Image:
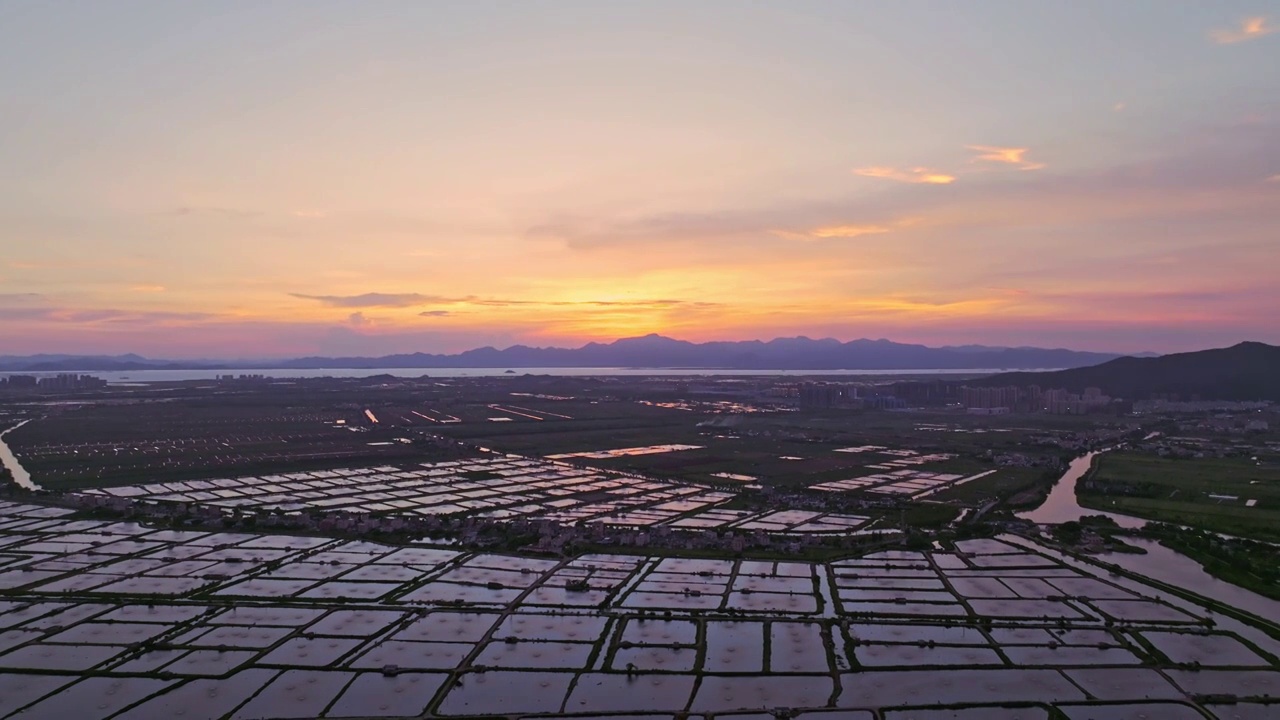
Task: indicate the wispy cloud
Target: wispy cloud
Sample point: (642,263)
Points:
(659,304)
(133,316)
(834,231)
(1274,178)
(374,300)
(848,231)
(838,231)
(435,313)
(406,300)
(148,288)
(192,210)
(1014,156)
(95,316)
(677,228)
(1249,29)
(1004,155)
(26,313)
(24,306)
(921,175)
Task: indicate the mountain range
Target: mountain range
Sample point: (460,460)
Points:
(651,351)
(1247,371)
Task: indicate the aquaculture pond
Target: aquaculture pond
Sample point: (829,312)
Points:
(104,619)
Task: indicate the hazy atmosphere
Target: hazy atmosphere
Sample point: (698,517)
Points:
(243,179)
(640,360)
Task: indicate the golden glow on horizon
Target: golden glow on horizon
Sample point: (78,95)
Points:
(571,322)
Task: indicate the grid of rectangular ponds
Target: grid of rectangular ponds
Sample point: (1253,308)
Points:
(115,620)
(900,475)
(496,486)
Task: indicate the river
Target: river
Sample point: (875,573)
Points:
(1180,571)
(1061,505)
(1160,563)
(1176,570)
(9,460)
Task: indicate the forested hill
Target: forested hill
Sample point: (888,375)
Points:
(1248,371)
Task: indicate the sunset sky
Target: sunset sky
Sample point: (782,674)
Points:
(258,179)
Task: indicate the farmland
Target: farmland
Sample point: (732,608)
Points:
(347,548)
(1236,496)
(195,431)
(106,619)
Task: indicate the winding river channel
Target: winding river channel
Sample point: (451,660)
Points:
(9,460)
(1061,505)
(1176,569)
(1160,563)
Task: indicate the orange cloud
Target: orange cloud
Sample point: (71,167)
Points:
(827,232)
(1004,155)
(911,175)
(148,288)
(1250,29)
(833,231)
(921,309)
(848,231)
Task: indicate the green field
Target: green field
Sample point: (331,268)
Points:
(1182,491)
(782,450)
(1005,482)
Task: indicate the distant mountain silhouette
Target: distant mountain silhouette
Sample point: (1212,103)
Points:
(650,351)
(1248,371)
(95,363)
(798,353)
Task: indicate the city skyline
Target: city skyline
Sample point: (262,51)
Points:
(330,178)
